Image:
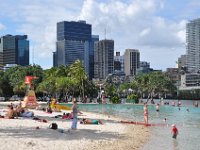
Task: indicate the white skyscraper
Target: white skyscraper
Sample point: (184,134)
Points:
(131,62)
(193,45)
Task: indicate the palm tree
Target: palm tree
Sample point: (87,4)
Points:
(64,85)
(152,83)
(77,72)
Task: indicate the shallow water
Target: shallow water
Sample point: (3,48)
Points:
(188,123)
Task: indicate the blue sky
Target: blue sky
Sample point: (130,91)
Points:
(155,27)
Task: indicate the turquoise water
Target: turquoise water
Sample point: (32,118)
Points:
(188,123)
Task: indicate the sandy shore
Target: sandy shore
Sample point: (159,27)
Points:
(21,134)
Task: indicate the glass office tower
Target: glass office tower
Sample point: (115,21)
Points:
(23,51)
(14,50)
(74,41)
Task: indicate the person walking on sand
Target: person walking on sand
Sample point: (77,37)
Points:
(145,113)
(174,131)
(75,112)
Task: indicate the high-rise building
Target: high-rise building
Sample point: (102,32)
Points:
(182,61)
(54,59)
(95,38)
(193,45)
(1,55)
(103,58)
(118,62)
(14,50)
(131,62)
(144,68)
(74,42)
(174,75)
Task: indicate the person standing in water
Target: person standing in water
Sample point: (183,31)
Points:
(145,113)
(75,112)
(174,131)
(157,107)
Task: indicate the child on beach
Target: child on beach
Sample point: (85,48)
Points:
(174,131)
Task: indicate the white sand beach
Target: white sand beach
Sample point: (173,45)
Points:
(21,134)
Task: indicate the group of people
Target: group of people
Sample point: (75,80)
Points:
(15,111)
(75,112)
(174,129)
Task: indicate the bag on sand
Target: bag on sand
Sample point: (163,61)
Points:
(53,126)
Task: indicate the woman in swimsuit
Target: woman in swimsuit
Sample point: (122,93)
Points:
(91,121)
(145,113)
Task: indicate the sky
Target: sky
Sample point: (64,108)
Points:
(155,27)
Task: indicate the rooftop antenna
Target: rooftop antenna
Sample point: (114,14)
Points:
(33,55)
(105,33)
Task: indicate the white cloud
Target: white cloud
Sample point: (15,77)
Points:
(38,20)
(145,32)
(132,24)
(2,27)
(136,25)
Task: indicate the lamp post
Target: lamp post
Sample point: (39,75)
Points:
(197,84)
(177,90)
(100,93)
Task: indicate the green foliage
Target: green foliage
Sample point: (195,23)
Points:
(115,99)
(65,81)
(189,94)
(78,74)
(15,77)
(133,98)
(153,83)
(62,80)
(110,90)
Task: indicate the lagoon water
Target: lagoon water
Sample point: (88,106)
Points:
(187,122)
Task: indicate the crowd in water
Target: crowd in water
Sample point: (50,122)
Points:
(174,129)
(172,103)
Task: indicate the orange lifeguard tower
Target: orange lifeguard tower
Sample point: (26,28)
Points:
(30,100)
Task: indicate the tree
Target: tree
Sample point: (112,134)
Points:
(65,85)
(48,84)
(115,99)
(77,72)
(154,83)
(110,90)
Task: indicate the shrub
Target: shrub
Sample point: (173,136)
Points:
(115,100)
(133,98)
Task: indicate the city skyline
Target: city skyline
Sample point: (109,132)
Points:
(155,27)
